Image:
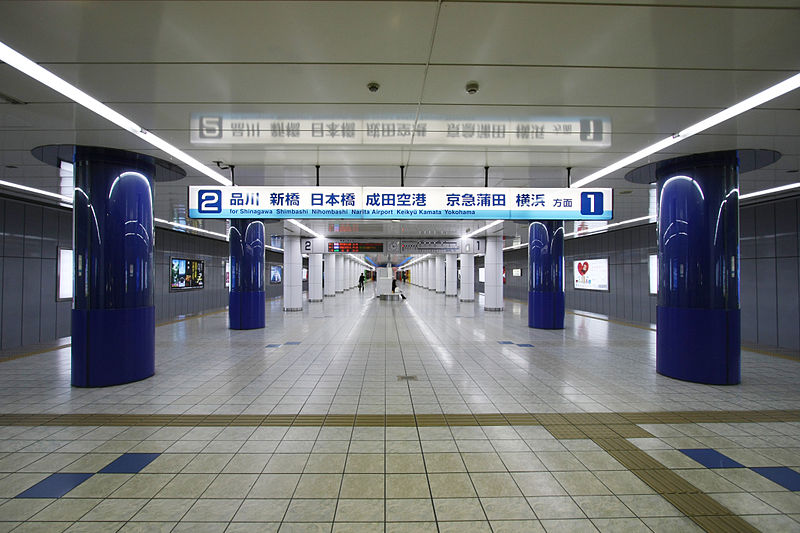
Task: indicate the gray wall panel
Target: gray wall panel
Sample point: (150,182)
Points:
(786,229)
(765,230)
(31,300)
(33,231)
(13,244)
(49,236)
(12,302)
(788,311)
(47,297)
(748,300)
(747,233)
(767,302)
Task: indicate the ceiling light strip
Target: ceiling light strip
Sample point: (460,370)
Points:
(14,59)
(769,191)
(609,226)
(361,261)
(48,194)
(747,104)
(305,228)
(487,226)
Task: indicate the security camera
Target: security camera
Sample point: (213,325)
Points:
(472,87)
(373,86)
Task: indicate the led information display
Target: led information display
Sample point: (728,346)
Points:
(410,203)
(355,247)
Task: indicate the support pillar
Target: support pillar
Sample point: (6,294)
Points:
(546,274)
(493,262)
(467,293)
(451,275)
(113,315)
(314,277)
(339,272)
(440,274)
(698,314)
(246,301)
(330,275)
(292,273)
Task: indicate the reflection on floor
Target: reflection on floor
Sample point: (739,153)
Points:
(421,415)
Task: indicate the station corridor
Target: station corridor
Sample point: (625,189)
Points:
(422,415)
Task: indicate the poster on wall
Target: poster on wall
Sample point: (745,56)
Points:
(591,274)
(305,274)
(275,274)
(186,274)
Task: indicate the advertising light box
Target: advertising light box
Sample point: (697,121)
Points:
(186,274)
(653,268)
(591,274)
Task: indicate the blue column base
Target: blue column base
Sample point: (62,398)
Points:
(546,310)
(113,346)
(247,310)
(699,345)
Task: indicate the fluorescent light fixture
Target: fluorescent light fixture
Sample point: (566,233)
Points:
(273,248)
(59,197)
(487,226)
(769,191)
(305,228)
(191,228)
(607,227)
(418,259)
(358,259)
(747,104)
(14,59)
(516,246)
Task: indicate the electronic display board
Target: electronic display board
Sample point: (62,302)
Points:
(355,247)
(185,274)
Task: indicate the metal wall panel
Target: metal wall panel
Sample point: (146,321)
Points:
(767,301)
(765,231)
(12,302)
(13,244)
(33,231)
(788,311)
(748,301)
(47,300)
(747,233)
(31,300)
(786,228)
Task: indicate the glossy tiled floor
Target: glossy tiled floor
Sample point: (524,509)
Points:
(384,459)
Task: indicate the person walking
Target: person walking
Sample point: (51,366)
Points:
(361,282)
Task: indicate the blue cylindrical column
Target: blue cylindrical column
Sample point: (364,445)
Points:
(113,315)
(698,256)
(546,274)
(246,304)
(698,317)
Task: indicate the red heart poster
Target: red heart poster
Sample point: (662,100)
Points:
(583,268)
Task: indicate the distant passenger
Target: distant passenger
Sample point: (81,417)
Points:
(394,284)
(361,282)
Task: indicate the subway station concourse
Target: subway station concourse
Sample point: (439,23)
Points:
(400,266)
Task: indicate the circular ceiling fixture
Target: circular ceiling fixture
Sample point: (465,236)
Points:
(472,87)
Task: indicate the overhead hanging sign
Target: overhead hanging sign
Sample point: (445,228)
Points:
(409,203)
(253,128)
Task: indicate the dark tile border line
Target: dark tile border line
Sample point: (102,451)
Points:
(561,425)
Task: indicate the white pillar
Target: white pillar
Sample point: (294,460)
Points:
(292,274)
(339,273)
(467,278)
(440,274)
(330,275)
(493,286)
(314,277)
(451,275)
(426,274)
